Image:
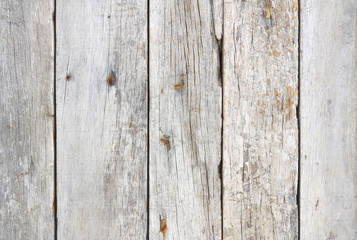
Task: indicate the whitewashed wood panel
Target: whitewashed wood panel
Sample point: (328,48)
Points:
(102,105)
(260,140)
(185,120)
(26,120)
(328,119)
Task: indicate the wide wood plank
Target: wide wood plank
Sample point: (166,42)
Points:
(260,140)
(185,120)
(102,105)
(328,119)
(26,120)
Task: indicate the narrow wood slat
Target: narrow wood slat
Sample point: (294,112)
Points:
(185,120)
(328,119)
(260,140)
(102,95)
(26,120)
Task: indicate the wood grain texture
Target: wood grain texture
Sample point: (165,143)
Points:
(26,120)
(260,140)
(102,105)
(185,121)
(328,119)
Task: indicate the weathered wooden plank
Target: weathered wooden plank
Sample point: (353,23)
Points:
(185,106)
(26,120)
(260,140)
(328,119)
(102,106)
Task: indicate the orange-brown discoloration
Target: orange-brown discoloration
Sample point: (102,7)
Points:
(162,91)
(177,86)
(68,77)
(292,93)
(180,85)
(110,80)
(268,10)
(163,227)
(165,141)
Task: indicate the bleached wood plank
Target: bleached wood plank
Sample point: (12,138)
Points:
(26,120)
(102,119)
(328,119)
(260,140)
(184,166)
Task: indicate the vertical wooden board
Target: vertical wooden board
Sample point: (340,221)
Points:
(102,105)
(328,119)
(260,130)
(185,106)
(26,120)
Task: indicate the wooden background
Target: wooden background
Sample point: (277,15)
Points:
(178,119)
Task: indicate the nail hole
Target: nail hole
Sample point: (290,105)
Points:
(110,80)
(68,77)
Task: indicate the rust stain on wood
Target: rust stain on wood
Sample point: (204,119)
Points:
(163,227)
(110,80)
(181,84)
(165,141)
(178,86)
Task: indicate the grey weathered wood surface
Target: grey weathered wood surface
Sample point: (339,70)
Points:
(328,119)
(156,100)
(26,120)
(102,105)
(185,188)
(260,140)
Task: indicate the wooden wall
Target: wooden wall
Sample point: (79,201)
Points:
(169,119)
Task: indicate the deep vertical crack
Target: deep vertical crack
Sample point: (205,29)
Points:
(148,124)
(221,72)
(298,202)
(55,120)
